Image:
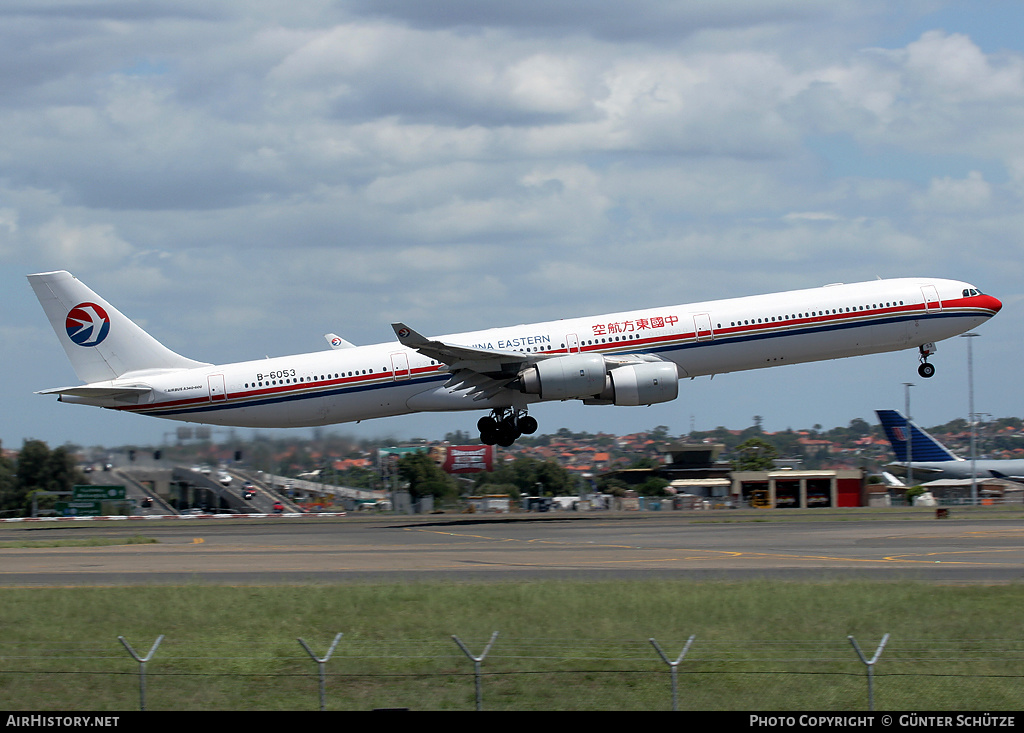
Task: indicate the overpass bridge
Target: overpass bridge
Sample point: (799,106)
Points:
(181,489)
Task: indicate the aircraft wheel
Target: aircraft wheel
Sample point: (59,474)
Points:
(528,425)
(488,437)
(487,424)
(926,370)
(507,434)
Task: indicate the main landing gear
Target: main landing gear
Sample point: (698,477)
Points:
(926,370)
(504,426)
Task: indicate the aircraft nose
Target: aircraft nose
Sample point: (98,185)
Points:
(990,304)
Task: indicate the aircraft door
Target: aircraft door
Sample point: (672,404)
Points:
(572,343)
(400,365)
(702,327)
(931,298)
(218,391)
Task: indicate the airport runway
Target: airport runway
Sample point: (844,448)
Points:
(578,547)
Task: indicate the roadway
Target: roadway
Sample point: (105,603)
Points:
(207,487)
(971,547)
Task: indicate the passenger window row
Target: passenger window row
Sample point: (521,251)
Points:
(322,378)
(592,342)
(813,314)
(297,380)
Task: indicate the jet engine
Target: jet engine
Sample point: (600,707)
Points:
(565,377)
(642,384)
(587,377)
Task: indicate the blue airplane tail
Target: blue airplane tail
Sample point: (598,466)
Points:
(924,446)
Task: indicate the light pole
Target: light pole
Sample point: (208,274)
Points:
(971,417)
(910,435)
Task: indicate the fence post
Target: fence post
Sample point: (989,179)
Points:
(870,664)
(142,666)
(320,664)
(476,664)
(674,667)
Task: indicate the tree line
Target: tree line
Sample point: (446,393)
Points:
(37,468)
(524,476)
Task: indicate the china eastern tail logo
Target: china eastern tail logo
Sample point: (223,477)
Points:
(87,324)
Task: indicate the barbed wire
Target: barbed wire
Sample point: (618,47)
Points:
(513,648)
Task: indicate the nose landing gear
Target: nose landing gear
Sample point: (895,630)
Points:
(926,370)
(504,426)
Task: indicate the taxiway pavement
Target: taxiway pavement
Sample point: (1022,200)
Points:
(974,549)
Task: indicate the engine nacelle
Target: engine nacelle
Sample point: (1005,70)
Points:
(642,384)
(565,377)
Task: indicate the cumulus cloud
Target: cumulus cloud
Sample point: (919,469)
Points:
(949,195)
(473,163)
(84,245)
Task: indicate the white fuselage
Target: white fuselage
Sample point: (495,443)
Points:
(1011,469)
(700,339)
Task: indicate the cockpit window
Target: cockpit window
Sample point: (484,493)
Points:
(968,292)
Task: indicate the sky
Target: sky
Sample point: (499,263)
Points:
(241,177)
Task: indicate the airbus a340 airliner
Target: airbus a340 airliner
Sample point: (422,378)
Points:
(631,358)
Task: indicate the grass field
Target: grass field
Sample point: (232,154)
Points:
(561,646)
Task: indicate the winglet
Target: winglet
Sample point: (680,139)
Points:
(409,337)
(337,342)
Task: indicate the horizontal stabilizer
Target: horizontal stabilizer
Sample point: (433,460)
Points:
(920,469)
(106,396)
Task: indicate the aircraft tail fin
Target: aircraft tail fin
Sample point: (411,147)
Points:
(924,446)
(891,480)
(337,342)
(100,341)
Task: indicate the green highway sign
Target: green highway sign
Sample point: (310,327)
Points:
(78,508)
(97,493)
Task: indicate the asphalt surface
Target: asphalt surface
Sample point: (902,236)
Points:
(974,548)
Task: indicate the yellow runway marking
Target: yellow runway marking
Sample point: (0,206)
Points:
(701,554)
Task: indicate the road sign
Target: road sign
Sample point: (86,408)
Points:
(78,508)
(97,493)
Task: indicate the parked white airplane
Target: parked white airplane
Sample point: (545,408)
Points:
(932,461)
(631,358)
